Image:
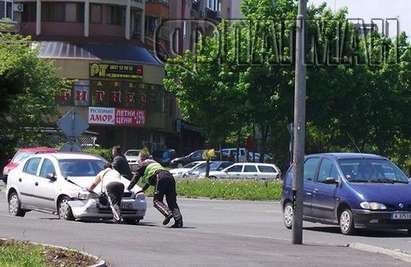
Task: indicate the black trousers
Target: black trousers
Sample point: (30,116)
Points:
(166,186)
(115,192)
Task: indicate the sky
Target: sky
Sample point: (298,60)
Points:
(368,9)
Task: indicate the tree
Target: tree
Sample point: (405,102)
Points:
(28,87)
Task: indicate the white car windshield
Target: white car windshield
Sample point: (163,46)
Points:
(80,167)
(20,156)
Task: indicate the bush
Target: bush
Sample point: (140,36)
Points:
(102,152)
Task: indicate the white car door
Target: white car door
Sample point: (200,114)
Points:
(27,183)
(267,172)
(234,172)
(46,185)
(250,172)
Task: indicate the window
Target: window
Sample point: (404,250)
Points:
(71,12)
(62,12)
(53,12)
(223,166)
(310,167)
(327,170)
(29,12)
(96,13)
(266,169)
(250,168)
(80,167)
(236,168)
(47,168)
(32,166)
(116,15)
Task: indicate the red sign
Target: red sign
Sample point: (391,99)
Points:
(130,117)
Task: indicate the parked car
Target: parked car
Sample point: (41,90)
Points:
(231,153)
(21,155)
(260,171)
(164,156)
(194,156)
(56,183)
(200,170)
(181,172)
(132,155)
(352,191)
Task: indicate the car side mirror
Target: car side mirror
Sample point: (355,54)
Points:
(330,180)
(51,176)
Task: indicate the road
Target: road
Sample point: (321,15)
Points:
(216,233)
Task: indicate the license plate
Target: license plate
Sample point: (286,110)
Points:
(401,216)
(126,205)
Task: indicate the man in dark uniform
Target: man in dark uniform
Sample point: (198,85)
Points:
(152,173)
(120,163)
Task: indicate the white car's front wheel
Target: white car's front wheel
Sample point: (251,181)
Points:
(288,215)
(15,205)
(64,209)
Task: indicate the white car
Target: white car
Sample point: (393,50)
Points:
(132,156)
(258,171)
(179,173)
(56,183)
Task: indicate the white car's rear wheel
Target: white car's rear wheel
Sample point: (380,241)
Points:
(288,215)
(64,209)
(15,205)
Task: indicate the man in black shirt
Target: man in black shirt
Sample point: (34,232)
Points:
(120,163)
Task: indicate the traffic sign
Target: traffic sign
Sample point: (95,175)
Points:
(72,124)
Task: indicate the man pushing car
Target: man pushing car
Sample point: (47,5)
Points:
(152,173)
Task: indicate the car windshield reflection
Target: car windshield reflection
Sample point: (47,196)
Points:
(371,171)
(80,167)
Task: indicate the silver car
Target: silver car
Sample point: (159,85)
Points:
(257,171)
(56,183)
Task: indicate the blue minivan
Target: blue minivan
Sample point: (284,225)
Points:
(353,191)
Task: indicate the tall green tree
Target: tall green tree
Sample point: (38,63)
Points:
(28,87)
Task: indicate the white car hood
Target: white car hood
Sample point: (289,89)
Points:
(87,181)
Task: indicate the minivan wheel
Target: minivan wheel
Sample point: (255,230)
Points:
(15,206)
(347,222)
(288,215)
(64,210)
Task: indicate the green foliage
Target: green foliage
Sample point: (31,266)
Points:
(241,190)
(357,100)
(21,256)
(102,152)
(28,87)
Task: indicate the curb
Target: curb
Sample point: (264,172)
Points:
(397,254)
(101,263)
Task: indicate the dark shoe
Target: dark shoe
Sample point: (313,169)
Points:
(178,218)
(167,219)
(178,224)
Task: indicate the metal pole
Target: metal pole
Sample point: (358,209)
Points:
(299,126)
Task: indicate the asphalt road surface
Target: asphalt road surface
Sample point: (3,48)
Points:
(216,233)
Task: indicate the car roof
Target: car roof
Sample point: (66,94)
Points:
(254,164)
(347,155)
(73,155)
(38,149)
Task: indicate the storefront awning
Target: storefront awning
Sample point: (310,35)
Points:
(104,52)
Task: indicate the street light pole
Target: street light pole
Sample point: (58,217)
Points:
(299,126)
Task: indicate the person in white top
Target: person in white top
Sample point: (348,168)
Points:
(112,187)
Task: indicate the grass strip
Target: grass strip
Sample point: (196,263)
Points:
(228,189)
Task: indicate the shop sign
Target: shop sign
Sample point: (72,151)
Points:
(130,117)
(81,90)
(115,71)
(101,116)
(117,117)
